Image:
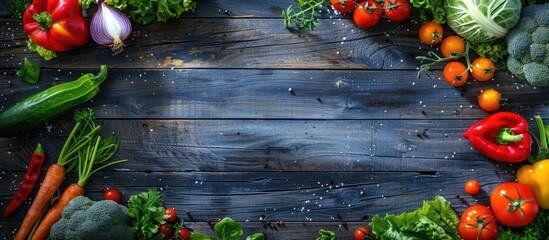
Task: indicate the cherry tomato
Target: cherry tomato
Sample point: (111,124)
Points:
(166,230)
(514,204)
(431,33)
(478,223)
(489,99)
(472,187)
(397,10)
(172,213)
(452,44)
(343,6)
(483,69)
(367,14)
(184,233)
(455,74)
(112,194)
(361,233)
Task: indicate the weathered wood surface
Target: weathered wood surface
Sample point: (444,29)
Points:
(263,94)
(202,109)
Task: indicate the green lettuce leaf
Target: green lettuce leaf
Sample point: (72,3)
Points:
(30,72)
(147,11)
(428,10)
(44,53)
(434,220)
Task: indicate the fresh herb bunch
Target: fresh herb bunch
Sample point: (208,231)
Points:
(495,51)
(306,15)
(146,211)
(148,11)
(18,7)
(428,10)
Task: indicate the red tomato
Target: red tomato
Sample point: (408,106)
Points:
(514,204)
(184,233)
(397,10)
(112,194)
(343,6)
(172,213)
(166,230)
(367,14)
(472,187)
(361,233)
(455,74)
(478,223)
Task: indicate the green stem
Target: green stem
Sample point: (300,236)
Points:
(43,19)
(306,10)
(542,134)
(506,136)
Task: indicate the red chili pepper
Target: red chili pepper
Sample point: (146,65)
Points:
(502,136)
(31,177)
(56,25)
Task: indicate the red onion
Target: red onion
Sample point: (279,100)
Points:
(110,27)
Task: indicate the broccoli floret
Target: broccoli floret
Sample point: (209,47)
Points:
(528,45)
(541,35)
(538,72)
(84,219)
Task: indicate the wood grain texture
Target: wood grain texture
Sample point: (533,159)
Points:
(274,145)
(288,196)
(263,94)
(236,43)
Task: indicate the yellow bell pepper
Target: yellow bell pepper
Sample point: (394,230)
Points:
(536,176)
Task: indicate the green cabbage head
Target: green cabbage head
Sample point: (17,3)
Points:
(482,20)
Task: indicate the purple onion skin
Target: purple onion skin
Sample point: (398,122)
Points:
(98,28)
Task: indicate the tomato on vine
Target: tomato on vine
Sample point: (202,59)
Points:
(478,223)
(343,6)
(361,233)
(455,74)
(112,194)
(367,14)
(472,187)
(431,33)
(483,69)
(171,213)
(184,233)
(489,100)
(166,231)
(514,204)
(397,10)
(452,45)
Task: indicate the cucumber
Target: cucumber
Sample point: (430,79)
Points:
(35,110)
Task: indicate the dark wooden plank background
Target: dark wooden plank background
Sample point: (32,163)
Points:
(203,111)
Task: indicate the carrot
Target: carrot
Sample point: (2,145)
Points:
(52,180)
(54,214)
(83,132)
(95,153)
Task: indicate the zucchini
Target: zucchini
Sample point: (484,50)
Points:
(35,110)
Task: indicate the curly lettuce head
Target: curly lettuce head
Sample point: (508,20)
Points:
(482,20)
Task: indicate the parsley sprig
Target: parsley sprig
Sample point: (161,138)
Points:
(306,15)
(146,211)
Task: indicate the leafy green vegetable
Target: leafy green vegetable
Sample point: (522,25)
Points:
(482,20)
(228,229)
(44,53)
(538,229)
(326,235)
(86,3)
(434,220)
(428,10)
(306,15)
(30,72)
(18,7)
(256,236)
(495,51)
(147,11)
(146,211)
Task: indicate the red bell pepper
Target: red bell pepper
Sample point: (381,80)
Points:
(502,137)
(56,25)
